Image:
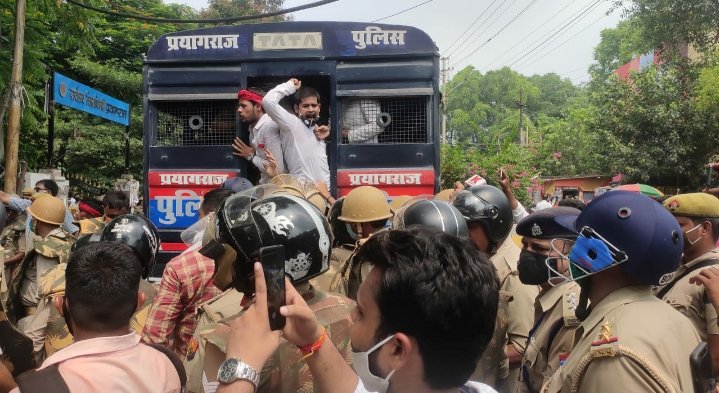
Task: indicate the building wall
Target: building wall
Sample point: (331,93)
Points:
(586,185)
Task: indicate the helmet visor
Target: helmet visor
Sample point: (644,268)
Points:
(474,208)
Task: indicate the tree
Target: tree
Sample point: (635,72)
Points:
(671,24)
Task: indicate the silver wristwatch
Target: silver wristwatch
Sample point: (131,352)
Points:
(233,369)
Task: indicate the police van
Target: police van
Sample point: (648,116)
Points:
(378,77)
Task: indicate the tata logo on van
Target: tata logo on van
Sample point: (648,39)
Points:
(283,41)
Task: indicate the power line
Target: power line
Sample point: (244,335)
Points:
(533,57)
(476,29)
(402,12)
(554,29)
(470,26)
(487,27)
(529,35)
(555,33)
(498,32)
(563,43)
(208,21)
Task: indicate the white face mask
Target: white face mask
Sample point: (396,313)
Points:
(360,362)
(691,243)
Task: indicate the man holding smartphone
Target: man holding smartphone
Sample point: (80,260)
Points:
(304,238)
(424,315)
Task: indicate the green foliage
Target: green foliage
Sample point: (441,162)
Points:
(460,162)
(102,51)
(670,24)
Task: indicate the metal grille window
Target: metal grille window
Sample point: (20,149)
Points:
(384,120)
(201,123)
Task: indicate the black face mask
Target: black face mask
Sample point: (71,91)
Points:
(532,268)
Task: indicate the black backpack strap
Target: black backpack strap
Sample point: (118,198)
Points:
(47,380)
(700,265)
(175,362)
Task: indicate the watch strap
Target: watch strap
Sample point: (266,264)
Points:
(242,371)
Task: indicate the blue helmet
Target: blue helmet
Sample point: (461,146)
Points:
(628,230)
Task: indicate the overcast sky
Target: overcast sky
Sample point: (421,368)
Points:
(527,44)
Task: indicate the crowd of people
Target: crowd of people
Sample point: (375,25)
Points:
(420,294)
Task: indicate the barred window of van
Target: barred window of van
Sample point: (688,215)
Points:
(384,120)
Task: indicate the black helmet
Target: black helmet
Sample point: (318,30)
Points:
(489,206)
(341,230)
(138,233)
(431,213)
(84,240)
(276,219)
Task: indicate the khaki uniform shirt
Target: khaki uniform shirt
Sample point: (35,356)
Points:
(91,226)
(631,342)
(349,275)
(520,311)
(45,254)
(12,238)
(222,306)
(689,299)
(330,281)
(552,336)
(285,371)
(493,366)
(49,328)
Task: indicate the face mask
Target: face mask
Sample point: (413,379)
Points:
(688,243)
(360,362)
(532,268)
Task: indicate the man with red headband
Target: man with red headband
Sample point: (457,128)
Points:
(264,136)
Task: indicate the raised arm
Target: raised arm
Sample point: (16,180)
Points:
(271,104)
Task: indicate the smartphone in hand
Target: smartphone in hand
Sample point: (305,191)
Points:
(273,264)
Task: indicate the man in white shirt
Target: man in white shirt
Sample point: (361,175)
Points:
(303,141)
(264,134)
(543,204)
(423,317)
(359,121)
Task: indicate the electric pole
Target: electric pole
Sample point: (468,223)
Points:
(523,137)
(15,110)
(443,75)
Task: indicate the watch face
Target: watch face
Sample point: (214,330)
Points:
(227,370)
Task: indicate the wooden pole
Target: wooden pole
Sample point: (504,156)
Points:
(15,110)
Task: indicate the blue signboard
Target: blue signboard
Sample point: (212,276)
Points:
(75,95)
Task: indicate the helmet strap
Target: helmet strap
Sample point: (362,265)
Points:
(583,309)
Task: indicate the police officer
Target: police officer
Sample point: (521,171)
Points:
(366,210)
(489,218)
(16,352)
(50,247)
(115,203)
(13,242)
(698,216)
(343,246)
(244,228)
(629,340)
(434,214)
(552,337)
(132,230)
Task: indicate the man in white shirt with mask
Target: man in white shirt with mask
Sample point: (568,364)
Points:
(424,316)
(303,141)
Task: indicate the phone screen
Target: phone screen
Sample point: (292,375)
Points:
(273,264)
